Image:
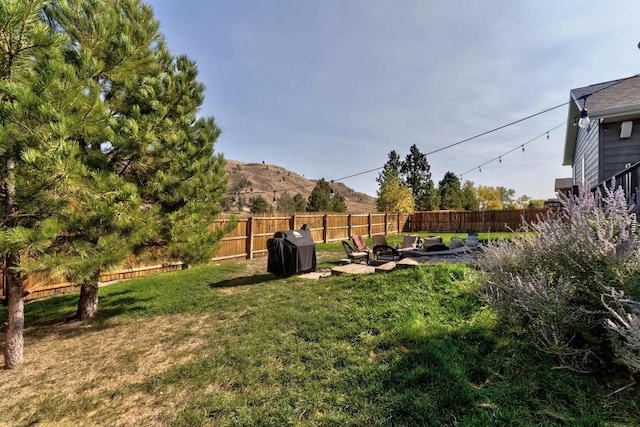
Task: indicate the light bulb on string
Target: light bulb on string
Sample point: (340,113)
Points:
(523,148)
(547,135)
(479,169)
(584,120)
(332,193)
(499,159)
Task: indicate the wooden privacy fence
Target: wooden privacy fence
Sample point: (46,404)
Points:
(248,239)
(472,221)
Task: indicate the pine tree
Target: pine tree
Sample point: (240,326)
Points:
(450,192)
(391,168)
(338,203)
(259,205)
(416,174)
(37,161)
(138,127)
(300,204)
(285,203)
(320,197)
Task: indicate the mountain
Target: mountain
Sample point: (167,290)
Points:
(249,180)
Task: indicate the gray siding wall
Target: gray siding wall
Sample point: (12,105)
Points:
(587,149)
(617,152)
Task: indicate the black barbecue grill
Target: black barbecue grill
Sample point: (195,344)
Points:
(291,252)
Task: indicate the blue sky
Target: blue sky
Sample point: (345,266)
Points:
(327,88)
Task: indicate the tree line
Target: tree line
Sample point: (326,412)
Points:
(102,153)
(406,186)
(323,198)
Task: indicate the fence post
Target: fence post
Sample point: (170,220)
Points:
(350,226)
(325,232)
(292,222)
(250,238)
(369,225)
(386,224)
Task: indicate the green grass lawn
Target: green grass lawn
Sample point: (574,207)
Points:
(410,347)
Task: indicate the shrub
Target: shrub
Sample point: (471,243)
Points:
(554,281)
(624,323)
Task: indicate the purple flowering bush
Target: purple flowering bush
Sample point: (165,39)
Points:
(571,281)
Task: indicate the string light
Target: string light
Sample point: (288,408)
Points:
(584,121)
(499,158)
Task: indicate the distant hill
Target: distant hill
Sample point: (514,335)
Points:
(252,179)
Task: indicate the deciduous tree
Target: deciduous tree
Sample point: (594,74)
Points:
(507,198)
(394,196)
(469,198)
(489,198)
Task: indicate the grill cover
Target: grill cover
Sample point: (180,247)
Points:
(291,252)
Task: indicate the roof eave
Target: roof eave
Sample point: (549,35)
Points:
(627,112)
(614,113)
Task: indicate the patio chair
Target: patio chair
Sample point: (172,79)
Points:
(410,242)
(360,245)
(354,255)
(380,240)
(382,250)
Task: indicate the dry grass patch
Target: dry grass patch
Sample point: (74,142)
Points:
(91,368)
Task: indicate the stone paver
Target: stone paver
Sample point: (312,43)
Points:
(388,266)
(353,269)
(315,275)
(407,263)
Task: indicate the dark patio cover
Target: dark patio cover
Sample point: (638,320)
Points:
(291,252)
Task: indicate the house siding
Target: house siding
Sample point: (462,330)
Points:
(617,152)
(587,148)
